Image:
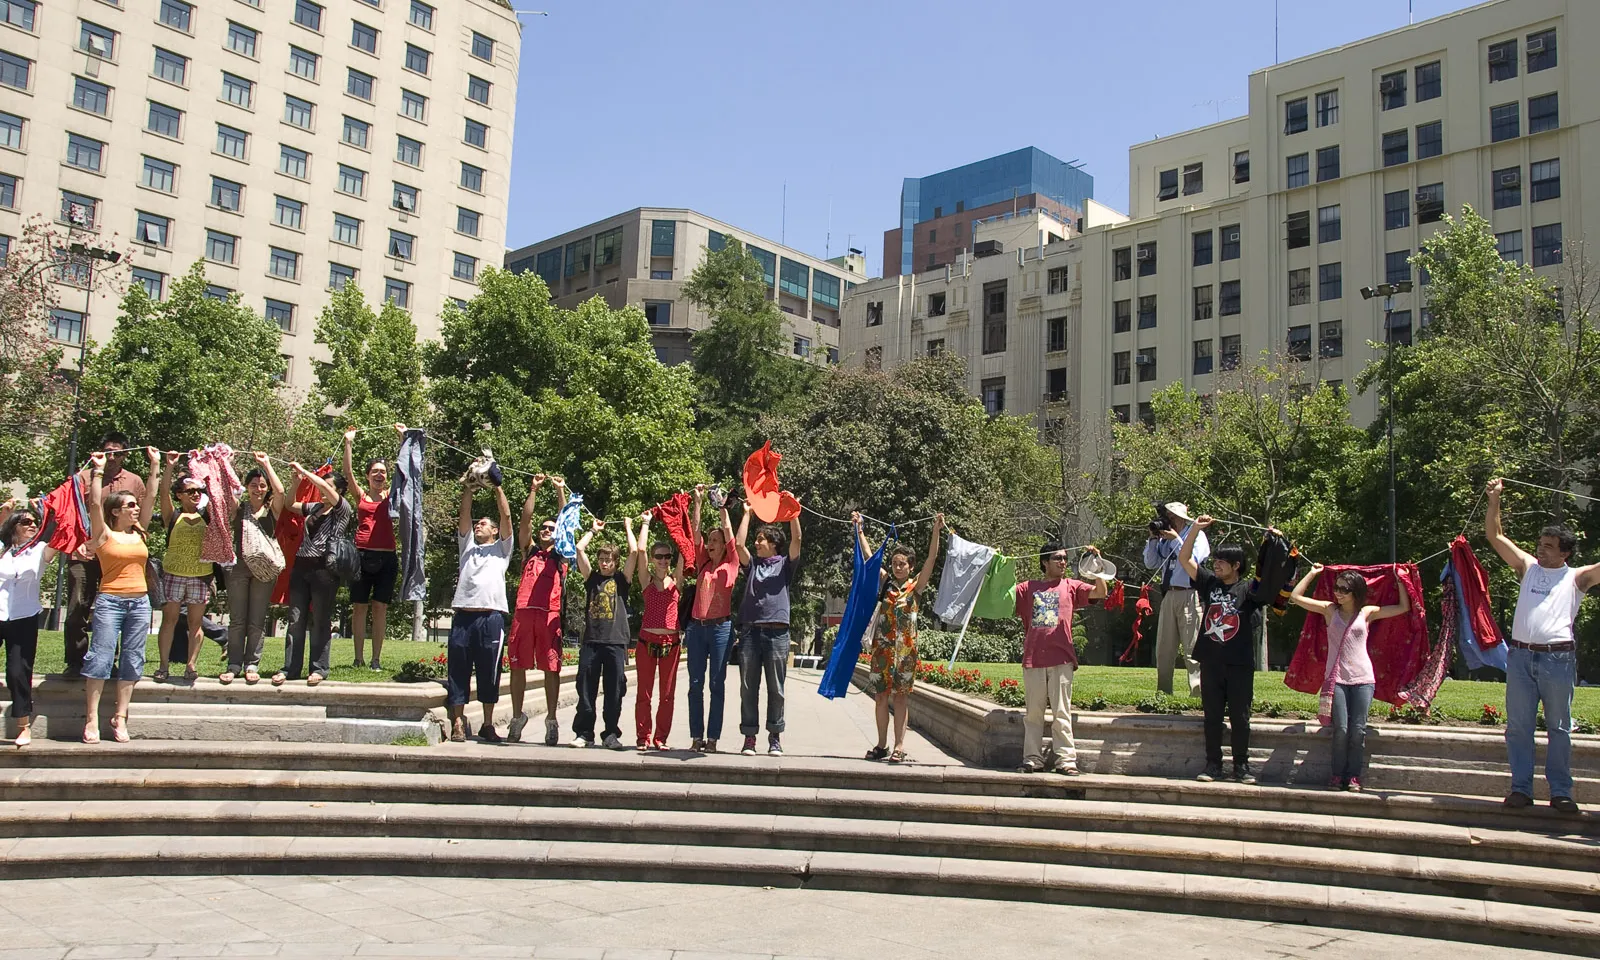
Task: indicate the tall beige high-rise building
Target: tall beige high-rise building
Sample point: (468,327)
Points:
(1257,234)
(292,145)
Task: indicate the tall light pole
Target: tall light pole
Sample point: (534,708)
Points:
(1388,291)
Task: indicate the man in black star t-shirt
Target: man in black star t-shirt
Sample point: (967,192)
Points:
(1229,622)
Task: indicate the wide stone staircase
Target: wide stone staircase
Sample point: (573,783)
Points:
(1420,864)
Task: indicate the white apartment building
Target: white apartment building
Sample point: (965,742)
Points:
(643,256)
(1256,234)
(294,145)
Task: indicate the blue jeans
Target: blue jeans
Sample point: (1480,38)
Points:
(707,645)
(1351,703)
(1533,677)
(764,652)
(118,618)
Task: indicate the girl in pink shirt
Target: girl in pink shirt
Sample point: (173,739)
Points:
(709,635)
(659,636)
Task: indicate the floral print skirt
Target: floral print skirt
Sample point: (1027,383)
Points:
(894,664)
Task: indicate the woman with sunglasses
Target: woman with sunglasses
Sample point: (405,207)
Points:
(185,578)
(248,597)
(21,566)
(536,635)
(659,637)
(122,605)
(1349,665)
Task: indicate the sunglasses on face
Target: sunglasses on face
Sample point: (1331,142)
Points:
(1059,558)
(27,522)
(662,556)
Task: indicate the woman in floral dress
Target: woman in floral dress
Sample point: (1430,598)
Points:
(894,638)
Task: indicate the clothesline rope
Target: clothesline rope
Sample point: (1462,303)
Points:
(1569,493)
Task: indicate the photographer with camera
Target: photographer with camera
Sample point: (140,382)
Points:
(1178,623)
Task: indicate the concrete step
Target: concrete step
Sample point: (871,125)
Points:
(524,761)
(1192,823)
(1281,861)
(1332,905)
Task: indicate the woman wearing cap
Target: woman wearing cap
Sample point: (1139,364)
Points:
(894,640)
(21,566)
(185,578)
(1049,657)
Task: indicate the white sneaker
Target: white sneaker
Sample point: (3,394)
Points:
(552,731)
(580,743)
(518,722)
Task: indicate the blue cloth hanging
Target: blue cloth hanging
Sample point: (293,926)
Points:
(567,522)
(1475,656)
(858,609)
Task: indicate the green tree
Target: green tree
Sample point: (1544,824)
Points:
(743,367)
(373,374)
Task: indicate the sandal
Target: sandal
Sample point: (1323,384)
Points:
(252,675)
(225,677)
(24,737)
(899,756)
(278,678)
(190,674)
(119,731)
(160,676)
(878,753)
(91,733)
(314,679)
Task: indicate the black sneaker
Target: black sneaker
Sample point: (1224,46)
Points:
(1213,771)
(1564,805)
(488,734)
(774,747)
(1243,773)
(749,746)
(1516,800)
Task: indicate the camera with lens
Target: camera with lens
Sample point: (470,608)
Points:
(1160,522)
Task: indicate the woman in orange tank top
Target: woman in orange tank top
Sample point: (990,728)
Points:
(122,607)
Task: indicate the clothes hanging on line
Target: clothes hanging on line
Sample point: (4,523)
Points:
(674,514)
(997,599)
(291,529)
(761,490)
(1277,561)
(1116,597)
(859,606)
(1473,615)
(405,513)
(567,522)
(1142,608)
(965,564)
(1398,646)
(1472,585)
(213,467)
(64,507)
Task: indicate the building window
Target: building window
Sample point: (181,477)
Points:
(421,15)
(661,274)
(802,346)
(936,304)
(339,275)
(79,210)
(548,266)
(1398,328)
(1396,266)
(1300,342)
(397,292)
(406,198)
(472,177)
(359,85)
(232,142)
(1327,164)
(1146,362)
(477,90)
(793,278)
(1330,339)
(1294,116)
(663,237)
(1228,294)
(1545,179)
(1121,316)
(153,229)
(154,283)
(418,60)
(767,259)
(402,246)
(1327,108)
(466,268)
(1544,113)
(11,131)
(1167,184)
(467,223)
(1430,203)
(1299,287)
(1297,170)
(293,161)
(288,213)
(297,112)
(1392,90)
(1231,351)
(1430,140)
(346,230)
(1330,281)
(91,96)
(994,396)
(1507,185)
(1120,411)
(607,245)
(1122,263)
(1193,178)
(1547,245)
(1509,245)
(308,15)
(476,135)
(1121,368)
(176,14)
(1397,210)
(352,181)
(1505,122)
(1202,357)
(1202,248)
(363,37)
(160,175)
(66,325)
(1056,279)
(1147,312)
(1055,335)
(1329,227)
(221,247)
(97,41)
(216,292)
(874,313)
(1541,50)
(825,289)
(414,105)
(1146,256)
(1299,229)
(1055,384)
(578,257)
(482,47)
(14,70)
(994,317)
(18,13)
(1396,147)
(1428,84)
(282,314)
(238,91)
(1502,60)
(84,153)
(284,263)
(303,63)
(1241,166)
(658,313)
(241,40)
(408,151)
(1230,241)
(226,194)
(171,67)
(1202,302)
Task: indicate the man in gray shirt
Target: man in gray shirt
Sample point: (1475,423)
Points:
(478,627)
(1178,625)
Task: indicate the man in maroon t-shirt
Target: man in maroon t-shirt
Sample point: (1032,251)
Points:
(536,635)
(1049,659)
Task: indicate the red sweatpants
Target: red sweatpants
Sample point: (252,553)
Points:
(650,667)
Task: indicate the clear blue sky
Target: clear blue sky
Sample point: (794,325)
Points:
(716,104)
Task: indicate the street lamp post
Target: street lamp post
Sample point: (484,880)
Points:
(1388,291)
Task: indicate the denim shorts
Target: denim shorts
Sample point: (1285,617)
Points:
(118,621)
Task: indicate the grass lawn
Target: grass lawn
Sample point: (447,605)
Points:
(1460,700)
(395,652)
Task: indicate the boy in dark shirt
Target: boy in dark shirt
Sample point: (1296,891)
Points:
(1229,623)
(606,635)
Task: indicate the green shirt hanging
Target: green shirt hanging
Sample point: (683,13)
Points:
(998,597)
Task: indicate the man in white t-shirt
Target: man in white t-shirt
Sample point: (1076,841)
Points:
(478,626)
(1542,664)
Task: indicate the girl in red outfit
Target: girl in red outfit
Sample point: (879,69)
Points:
(659,636)
(373,587)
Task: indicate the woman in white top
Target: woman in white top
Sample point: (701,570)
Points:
(21,565)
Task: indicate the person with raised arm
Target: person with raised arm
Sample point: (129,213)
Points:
(373,588)
(248,596)
(1050,658)
(1178,621)
(1542,664)
(83,570)
(185,577)
(1349,664)
(312,585)
(21,568)
(764,627)
(894,658)
(710,634)
(656,658)
(536,634)
(122,603)
(478,623)
(603,657)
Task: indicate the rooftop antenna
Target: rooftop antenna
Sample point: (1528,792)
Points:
(783,224)
(827,242)
(1411,10)
(1275,58)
